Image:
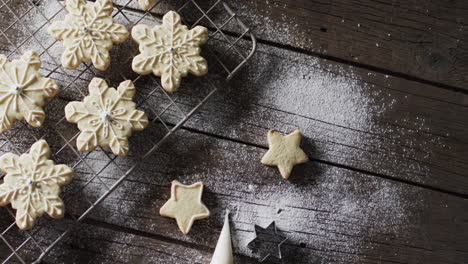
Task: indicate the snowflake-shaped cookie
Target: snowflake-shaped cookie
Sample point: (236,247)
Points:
(23,90)
(170,50)
(32,184)
(106,117)
(88,32)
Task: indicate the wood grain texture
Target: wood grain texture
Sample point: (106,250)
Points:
(388,179)
(329,214)
(418,40)
(92,243)
(357,118)
(353,117)
(423,39)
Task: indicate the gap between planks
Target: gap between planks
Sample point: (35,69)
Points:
(312,159)
(322,56)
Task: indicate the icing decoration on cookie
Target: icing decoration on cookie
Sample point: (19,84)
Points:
(106,117)
(146,4)
(32,184)
(185,205)
(23,90)
(223,250)
(284,152)
(88,32)
(170,50)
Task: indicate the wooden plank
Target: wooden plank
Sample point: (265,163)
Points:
(332,214)
(410,131)
(410,39)
(92,244)
(350,116)
(104,245)
(426,40)
(328,213)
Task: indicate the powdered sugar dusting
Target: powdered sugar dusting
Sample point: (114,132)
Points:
(337,214)
(331,209)
(267,18)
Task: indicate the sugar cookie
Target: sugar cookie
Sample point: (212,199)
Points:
(284,152)
(185,205)
(170,50)
(88,32)
(32,184)
(23,90)
(106,117)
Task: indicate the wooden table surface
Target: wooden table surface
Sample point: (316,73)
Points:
(379,90)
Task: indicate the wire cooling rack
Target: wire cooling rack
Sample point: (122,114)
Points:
(23,27)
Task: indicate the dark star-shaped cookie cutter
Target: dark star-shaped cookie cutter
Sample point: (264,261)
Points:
(267,242)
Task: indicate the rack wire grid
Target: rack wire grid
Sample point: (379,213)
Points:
(23,27)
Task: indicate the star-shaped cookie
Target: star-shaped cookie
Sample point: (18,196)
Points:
(284,152)
(23,90)
(185,205)
(106,117)
(170,50)
(88,32)
(32,184)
